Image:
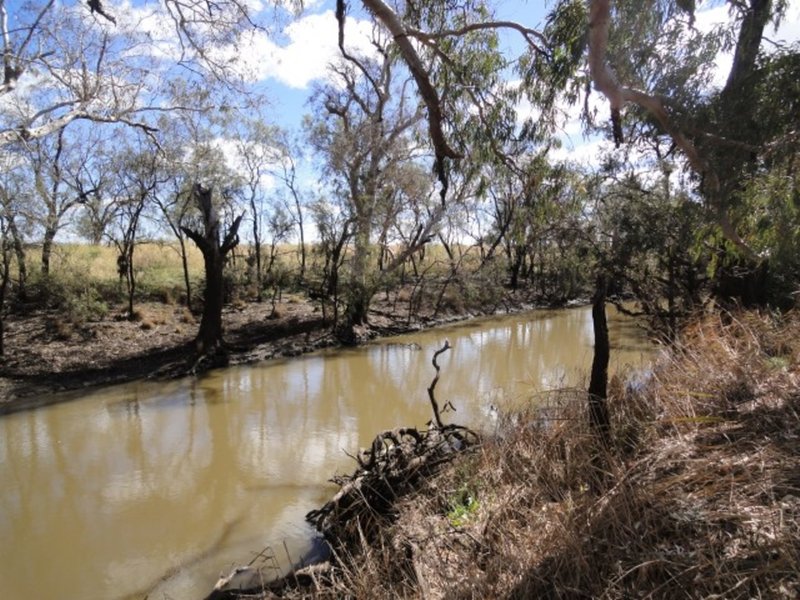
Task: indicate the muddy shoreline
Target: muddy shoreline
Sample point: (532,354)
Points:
(40,368)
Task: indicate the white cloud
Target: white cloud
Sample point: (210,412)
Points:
(312,45)
(587,153)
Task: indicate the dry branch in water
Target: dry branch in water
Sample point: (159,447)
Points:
(435,405)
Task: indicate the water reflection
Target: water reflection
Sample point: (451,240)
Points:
(157,487)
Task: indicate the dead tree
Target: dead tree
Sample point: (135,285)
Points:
(437,414)
(209,338)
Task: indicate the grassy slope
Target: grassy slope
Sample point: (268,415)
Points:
(700,498)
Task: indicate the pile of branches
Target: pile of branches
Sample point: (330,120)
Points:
(396,464)
(391,467)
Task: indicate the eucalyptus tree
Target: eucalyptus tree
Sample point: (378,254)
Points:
(215,243)
(63,63)
(365,131)
(16,218)
(175,205)
(190,152)
(137,176)
(290,152)
(649,55)
(200,203)
(255,156)
(664,68)
(335,229)
(649,239)
(49,196)
(5,275)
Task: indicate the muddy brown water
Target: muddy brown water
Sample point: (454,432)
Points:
(154,489)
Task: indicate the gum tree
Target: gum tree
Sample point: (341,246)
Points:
(365,135)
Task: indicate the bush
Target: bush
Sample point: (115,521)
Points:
(85,307)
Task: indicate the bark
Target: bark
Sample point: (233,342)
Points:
(185,265)
(209,337)
(599,419)
(131,276)
(47,249)
(6,275)
(257,250)
(360,290)
(748,43)
(22,268)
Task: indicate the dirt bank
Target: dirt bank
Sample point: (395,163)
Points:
(45,355)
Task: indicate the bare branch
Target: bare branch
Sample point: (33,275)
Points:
(531,36)
(436,413)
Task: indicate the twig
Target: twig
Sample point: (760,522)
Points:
(434,404)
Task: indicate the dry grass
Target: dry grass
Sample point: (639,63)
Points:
(699,498)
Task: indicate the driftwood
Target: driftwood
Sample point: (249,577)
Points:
(393,466)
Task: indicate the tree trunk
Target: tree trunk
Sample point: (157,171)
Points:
(47,249)
(185,264)
(131,281)
(209,337)
(599,419)
(360,291)
(257,251)
(210,334)
(22,268)
(6,262)
(301,228)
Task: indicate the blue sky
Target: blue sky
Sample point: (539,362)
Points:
(289,66)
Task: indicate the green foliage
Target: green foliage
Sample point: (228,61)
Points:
(770,221)
(463,506)
(85,307)
(463,503)
(655,248)
(549,73)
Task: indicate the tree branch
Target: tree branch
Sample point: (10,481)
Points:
(605,81)
(436,414)
(527,33)
(429,95)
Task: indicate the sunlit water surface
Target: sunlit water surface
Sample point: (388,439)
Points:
(157,488)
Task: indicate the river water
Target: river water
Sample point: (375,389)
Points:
(157,488)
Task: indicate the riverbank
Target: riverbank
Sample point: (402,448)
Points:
(699,495)
(46,354)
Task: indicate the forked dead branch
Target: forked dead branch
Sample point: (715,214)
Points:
(392,466)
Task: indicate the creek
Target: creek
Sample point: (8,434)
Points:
(155,488)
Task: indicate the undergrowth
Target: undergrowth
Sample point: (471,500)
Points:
(698,497)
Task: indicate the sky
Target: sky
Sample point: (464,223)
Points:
(288,67)
(287,63)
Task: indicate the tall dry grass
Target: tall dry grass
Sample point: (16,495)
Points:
(699,497)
